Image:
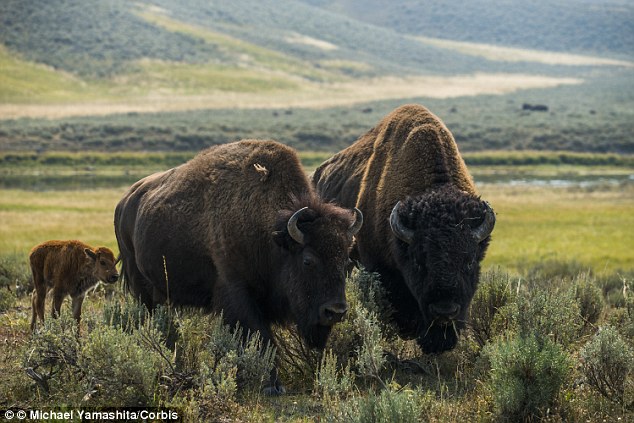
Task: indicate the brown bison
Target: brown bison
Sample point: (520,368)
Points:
(239,230)
(426,230)
(68,268)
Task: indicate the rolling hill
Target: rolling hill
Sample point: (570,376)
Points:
(573,26)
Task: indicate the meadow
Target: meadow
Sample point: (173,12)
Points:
(552,309)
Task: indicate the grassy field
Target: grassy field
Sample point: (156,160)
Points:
(535,223)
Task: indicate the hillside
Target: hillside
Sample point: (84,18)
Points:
(97,38)
(572,26)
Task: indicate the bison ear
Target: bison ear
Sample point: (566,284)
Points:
(284,240)
(280,238)
(90,253)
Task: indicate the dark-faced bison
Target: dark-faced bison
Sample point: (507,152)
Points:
(68,268)
(239,230)
(426,230)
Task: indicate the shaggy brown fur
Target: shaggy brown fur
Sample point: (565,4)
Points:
(68,268)
(411,157)
(213,233)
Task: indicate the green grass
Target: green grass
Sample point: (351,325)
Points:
(22,81)
(537,224)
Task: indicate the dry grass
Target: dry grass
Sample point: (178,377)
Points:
(507,54)
(307,95)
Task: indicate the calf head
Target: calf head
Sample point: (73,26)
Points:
(440,238)
(315,241)
(103,264)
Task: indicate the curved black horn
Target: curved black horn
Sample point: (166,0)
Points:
(358,222)
(401,232)
(486,227)
(293,230)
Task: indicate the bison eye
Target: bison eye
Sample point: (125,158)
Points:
(102,262)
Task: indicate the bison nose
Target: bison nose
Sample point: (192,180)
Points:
(331,313)
(445,310)
(113,278)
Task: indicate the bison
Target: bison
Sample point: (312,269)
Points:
(426,229)
(68,268)
(239,230)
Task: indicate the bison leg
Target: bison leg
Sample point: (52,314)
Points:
(58,298)
(77,302)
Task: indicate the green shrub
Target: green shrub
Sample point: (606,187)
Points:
(126,314)
(493,293)
(15,273)
(608,364)
(332,380)
(526,375)
(370,358)
(52,359)
(118,369)
(220,360)
(545,314)
(7,300)
(129,315)
(388,406)
(614,286)
(589,298)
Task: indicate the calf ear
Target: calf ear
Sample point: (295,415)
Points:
(90,253)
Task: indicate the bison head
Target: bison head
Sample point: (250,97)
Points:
(440,239)
(315,241)
(104,265)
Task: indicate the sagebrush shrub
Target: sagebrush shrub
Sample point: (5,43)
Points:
(546,314)
(7,299)
(370,358)
(118,369)
(608,364)
(332,380)
(526,375)
(388,406)
(589,298)
(52,357)
(15,274)
(220,360)
(493,293)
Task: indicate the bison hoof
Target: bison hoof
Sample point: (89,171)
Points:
(274,391)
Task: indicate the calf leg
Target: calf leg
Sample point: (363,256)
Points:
(38,298)
(37,305)
(58,298)
(77,302)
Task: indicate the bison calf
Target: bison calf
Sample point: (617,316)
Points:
(68,268)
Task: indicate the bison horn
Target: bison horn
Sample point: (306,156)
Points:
(358,222)
(486,227)
(404,234)
(292,228)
